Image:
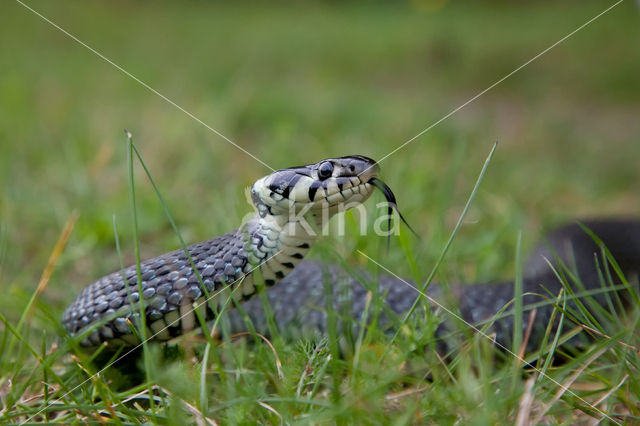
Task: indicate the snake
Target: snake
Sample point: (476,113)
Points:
(167,296)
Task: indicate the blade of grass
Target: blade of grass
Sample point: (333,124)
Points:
(136,244)
(517,298)
(556,338)
(51,263)
(612,262)
(358,345)
(46,273)
(332,329)
(209,299)
(443,253)
(605,282)
(22,385)
(203,380)
(45,378)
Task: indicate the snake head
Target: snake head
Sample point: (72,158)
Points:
(333,184)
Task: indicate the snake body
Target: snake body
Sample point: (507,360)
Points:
(300,302)
(271,246)
(291,203)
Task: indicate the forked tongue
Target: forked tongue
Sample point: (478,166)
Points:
(393,205)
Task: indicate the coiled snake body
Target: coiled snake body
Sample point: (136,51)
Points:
(291,204)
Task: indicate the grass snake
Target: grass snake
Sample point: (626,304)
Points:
(291,204)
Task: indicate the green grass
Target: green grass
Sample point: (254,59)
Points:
(293,84)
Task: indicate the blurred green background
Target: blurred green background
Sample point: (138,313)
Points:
(295,83)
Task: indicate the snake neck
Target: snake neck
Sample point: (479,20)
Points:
(275,244)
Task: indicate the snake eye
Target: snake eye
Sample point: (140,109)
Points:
(325,170)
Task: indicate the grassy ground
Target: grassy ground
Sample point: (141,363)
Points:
(293,84)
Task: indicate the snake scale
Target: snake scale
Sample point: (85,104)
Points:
(291,204)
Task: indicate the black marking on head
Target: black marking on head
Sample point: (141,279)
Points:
(299,170)
(313,188)
(303,246)
(362,158)
(283,181)
(294,180)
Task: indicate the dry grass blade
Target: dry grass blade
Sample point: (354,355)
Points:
(275,353)
(611,391)
(527,335)
(199,416)
(405,393)
(565,386)
(51,263)
(601,334)
(271,409)
(526,402)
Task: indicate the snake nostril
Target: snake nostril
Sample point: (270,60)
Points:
(352,168)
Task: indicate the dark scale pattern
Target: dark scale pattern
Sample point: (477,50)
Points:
(168,282)
(299,301)
(167,286)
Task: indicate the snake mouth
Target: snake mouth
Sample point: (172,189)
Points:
(391,204)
